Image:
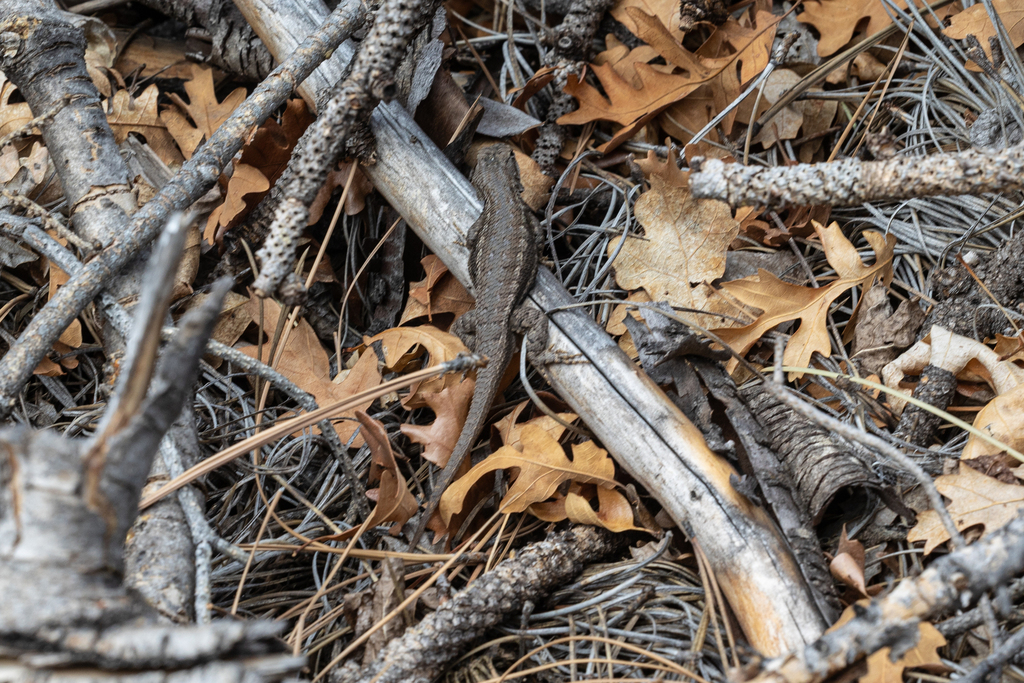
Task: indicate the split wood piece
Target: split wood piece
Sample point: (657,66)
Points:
(423,651)
(954,581)
(632,417)
(780,493)
(283,25)
(852,182)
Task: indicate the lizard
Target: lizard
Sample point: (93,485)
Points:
(504,251)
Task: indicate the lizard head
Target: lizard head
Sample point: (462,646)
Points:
(497,160)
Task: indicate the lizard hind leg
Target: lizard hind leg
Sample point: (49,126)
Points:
(533,324)
(465,329)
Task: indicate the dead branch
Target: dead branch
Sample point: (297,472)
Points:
(282,25)
(956,580)
(780,492)
(67,504)
(422,652)
(937,387)
(194,179)
(851,182)
(44,56)
(660,447)
(371,80)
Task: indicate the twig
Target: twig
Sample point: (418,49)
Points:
(851,182)
(371,80)
(956,580)
(421,653)
(194,179)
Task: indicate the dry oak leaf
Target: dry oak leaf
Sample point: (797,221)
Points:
(782,302)
(542,466)
(624,60)
(395,503)
(511,431)
(881,668)
(305,362)
(405,346)
(12,116)
(355,201)
(837,20)
(437,293)
(126,114)
(975,500)
(613,513)
(272,144)
(1003,419)
(450,406)
(686,117)
(848,564)
(684,247)
(245,181)
(975,21)
(203,108)
(666,11)
(632,108)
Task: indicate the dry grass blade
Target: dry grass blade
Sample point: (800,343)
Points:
(295,424)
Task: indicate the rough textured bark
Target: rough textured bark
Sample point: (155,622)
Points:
(779,492)
(371,80)
(44,55)
(818,464)
(936,388)
(964,306)
(48,65)
(573,46)
(282,25)
(234,46)
(851,182)
(420,655)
